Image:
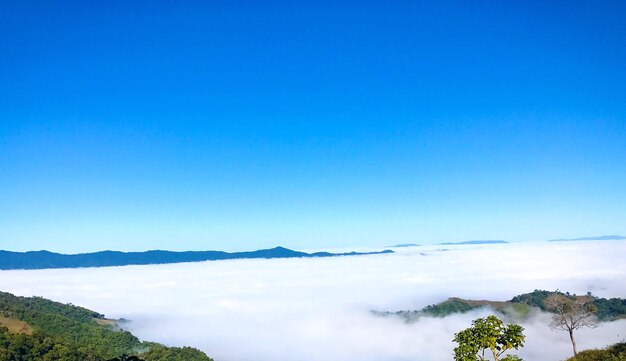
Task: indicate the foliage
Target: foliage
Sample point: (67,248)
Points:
(616,352)
(488,335)
(511,358)
(610,309)
(162,353)
(67,333)
(607,309)
(41,347)
(536,298)
(453,305)
(126,358)
(68,322)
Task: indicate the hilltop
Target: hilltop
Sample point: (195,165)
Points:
(45,259)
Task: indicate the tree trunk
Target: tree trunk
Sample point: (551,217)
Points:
(571,337)
(495,355)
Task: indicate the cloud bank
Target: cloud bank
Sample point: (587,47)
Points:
(318,309)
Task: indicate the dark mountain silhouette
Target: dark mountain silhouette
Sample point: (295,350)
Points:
(594,238)
(46,259)
(402,245)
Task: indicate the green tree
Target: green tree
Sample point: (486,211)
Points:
(488,335)
(162,353)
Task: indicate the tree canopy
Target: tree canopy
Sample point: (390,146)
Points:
(488,335)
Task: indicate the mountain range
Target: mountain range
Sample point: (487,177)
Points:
(613,237)
(45,259)
(498,241)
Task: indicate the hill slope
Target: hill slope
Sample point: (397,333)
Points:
(54,331)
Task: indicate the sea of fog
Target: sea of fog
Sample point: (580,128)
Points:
(319,308)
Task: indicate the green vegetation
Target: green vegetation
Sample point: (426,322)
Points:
(55,331)
(39,346)
(450,306)
(610,309)
(536,298)
(616,352)
(569,312)
(34,328)
(489,335)
(519,306)
(458,305)
(606,309)
(161,353)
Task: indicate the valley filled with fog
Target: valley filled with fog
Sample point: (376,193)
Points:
(319,308)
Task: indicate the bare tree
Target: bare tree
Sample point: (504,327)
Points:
(571,313)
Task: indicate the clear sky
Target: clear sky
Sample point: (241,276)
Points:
(242,125)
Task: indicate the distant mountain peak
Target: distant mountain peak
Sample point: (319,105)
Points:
(613,237)
(489,241)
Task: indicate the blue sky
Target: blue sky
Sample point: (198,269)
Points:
(241,125)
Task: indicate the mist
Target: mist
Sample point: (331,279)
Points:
(319,308)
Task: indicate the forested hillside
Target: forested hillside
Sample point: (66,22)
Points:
(34,328)
(605,309)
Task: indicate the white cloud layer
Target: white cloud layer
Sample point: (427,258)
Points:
(318,309)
